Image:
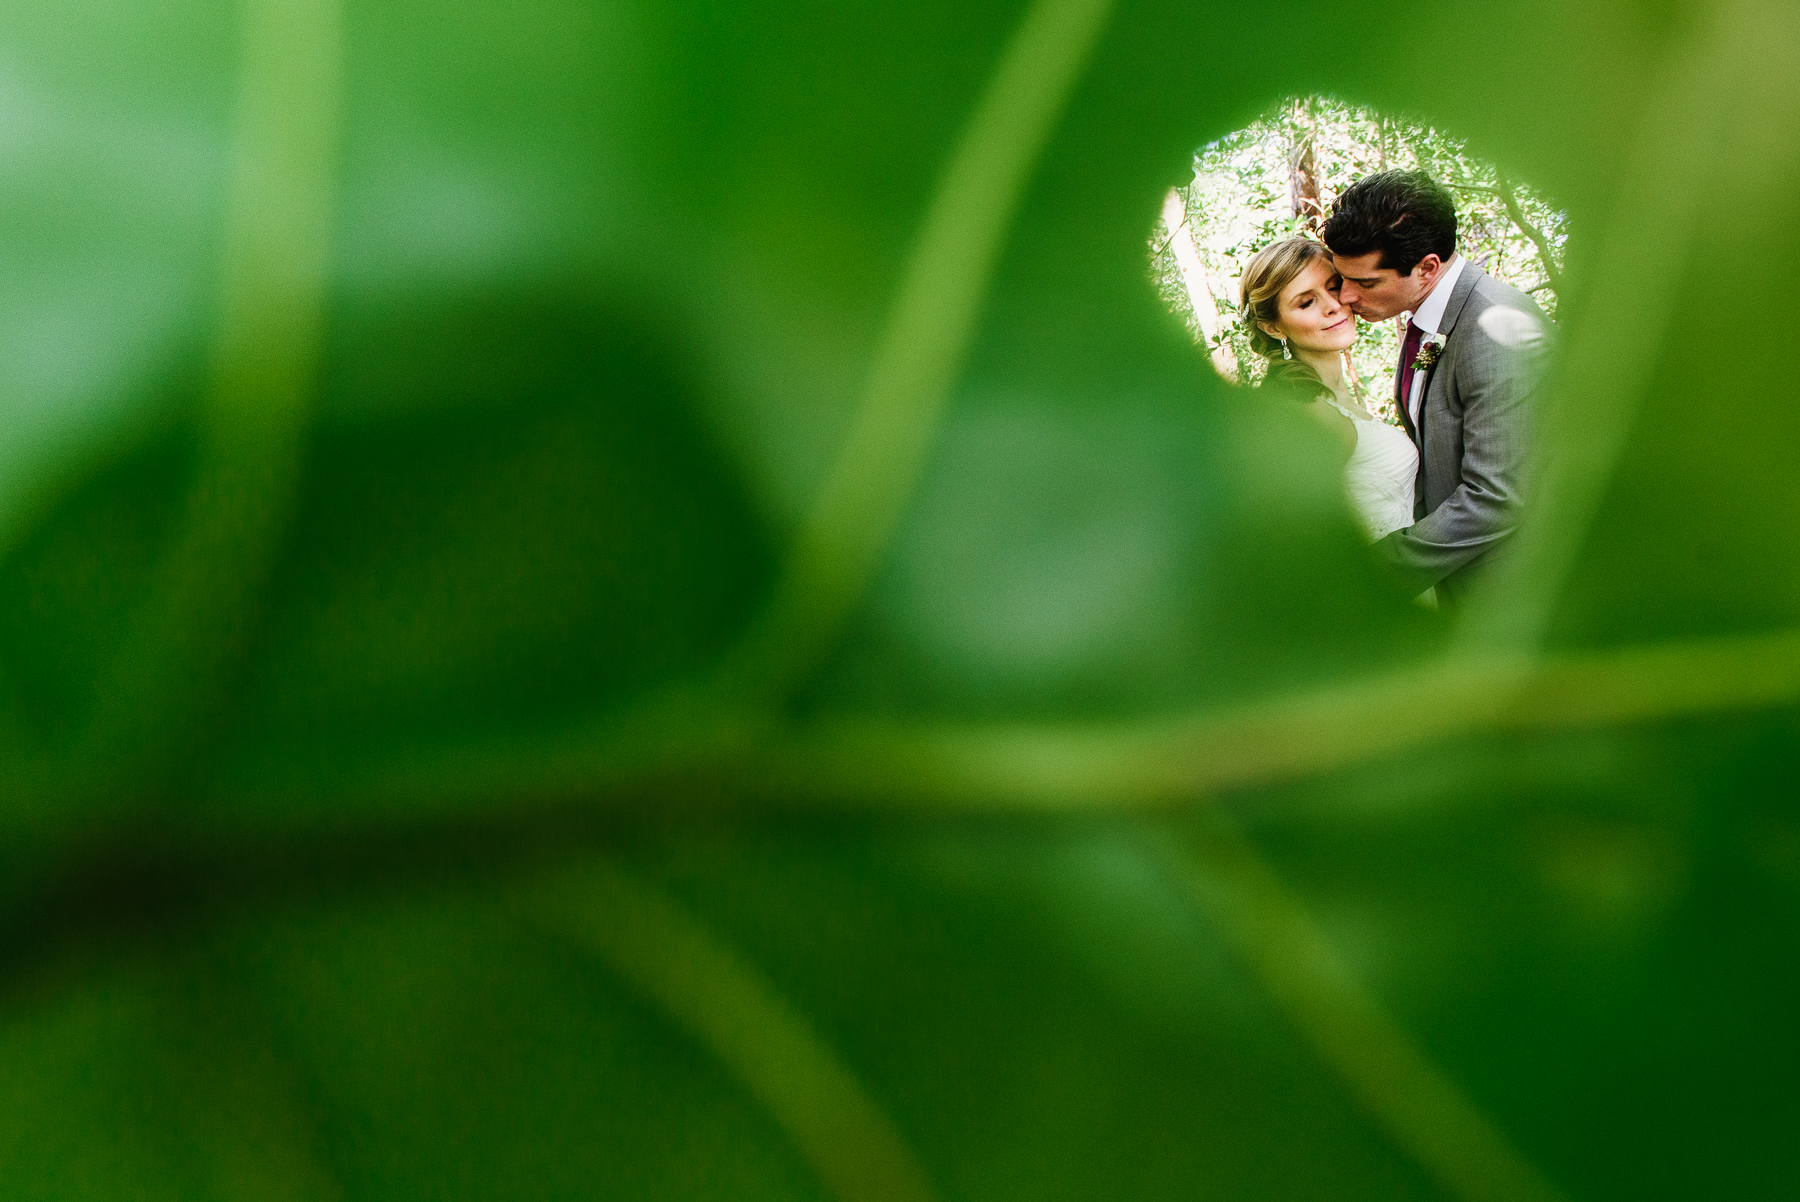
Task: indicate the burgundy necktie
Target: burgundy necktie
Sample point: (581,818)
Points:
(1409,351)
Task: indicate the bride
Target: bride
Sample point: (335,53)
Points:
(1294,320)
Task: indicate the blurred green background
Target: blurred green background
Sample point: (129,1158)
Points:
(628,600)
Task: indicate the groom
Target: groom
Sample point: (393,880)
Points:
(1468,372)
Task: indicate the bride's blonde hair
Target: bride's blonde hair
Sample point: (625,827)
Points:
(1272,269)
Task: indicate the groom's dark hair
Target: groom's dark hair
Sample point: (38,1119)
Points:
(1403,214)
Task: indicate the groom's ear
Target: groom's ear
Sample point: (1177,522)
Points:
(1428,267)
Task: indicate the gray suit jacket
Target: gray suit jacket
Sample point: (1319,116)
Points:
(1473,436)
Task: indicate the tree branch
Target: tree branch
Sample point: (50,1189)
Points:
(1552,277)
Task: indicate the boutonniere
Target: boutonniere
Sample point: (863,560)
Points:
(1428,353)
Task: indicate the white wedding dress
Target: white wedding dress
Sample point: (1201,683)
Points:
(1379,477)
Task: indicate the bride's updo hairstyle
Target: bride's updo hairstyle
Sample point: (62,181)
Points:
(1273,269)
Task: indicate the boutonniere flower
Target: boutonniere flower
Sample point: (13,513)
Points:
(1428,353)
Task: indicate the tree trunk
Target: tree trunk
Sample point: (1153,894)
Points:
(1193,275)
(1303,176)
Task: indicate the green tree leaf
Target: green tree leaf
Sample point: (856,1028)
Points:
(645,601)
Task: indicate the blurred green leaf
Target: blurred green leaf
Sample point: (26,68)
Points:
(639,600)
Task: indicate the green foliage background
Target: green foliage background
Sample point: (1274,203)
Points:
(644,601)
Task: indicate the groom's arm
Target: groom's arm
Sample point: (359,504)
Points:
(1496,384)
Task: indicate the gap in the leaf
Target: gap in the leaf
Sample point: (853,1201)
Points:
(1278,176)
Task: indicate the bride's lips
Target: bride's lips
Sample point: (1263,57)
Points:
(1334,325)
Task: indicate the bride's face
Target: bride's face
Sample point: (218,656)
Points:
(1312,317)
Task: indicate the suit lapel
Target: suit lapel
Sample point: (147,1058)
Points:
(1406,418)
(1459,298)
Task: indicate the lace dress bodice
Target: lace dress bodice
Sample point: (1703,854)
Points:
(1379,477)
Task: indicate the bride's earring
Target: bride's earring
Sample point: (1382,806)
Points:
(1285,353)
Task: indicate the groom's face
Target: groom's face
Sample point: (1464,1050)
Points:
(1377,293)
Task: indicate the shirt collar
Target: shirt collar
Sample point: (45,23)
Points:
(1430,313)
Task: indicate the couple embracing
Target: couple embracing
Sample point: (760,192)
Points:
(1441,497)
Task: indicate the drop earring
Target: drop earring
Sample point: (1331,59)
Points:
(1285,353)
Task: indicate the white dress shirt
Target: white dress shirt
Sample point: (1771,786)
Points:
(1428,317)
